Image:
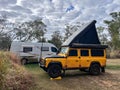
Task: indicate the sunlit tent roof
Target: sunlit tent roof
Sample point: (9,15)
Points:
(87,34)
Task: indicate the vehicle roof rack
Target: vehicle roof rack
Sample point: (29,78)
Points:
(95,46)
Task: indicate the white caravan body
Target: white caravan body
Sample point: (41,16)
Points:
(33,51)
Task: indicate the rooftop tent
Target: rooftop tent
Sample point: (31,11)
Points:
(86,35)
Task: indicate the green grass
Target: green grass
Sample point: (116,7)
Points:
(114,67)
(37,71)
(41,76)
(32,67)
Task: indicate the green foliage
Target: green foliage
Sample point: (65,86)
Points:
(5,38)
(56,39)
(5,41)
(102,35)
(114,29)
(32,30)
(70,29)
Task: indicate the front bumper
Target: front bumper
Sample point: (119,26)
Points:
(43,67)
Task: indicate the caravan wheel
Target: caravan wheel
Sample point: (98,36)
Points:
(24,61)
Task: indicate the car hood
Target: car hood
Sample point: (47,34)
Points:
(56,56)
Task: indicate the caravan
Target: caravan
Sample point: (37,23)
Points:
(31,52)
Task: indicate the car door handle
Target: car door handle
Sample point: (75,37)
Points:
(88,60)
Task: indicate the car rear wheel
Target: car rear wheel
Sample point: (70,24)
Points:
(94,69)
(54,70)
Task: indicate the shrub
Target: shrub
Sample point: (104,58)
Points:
(13,76)
(4,64)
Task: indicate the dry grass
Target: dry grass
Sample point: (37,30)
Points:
(113,61)
(113,64)
(13,76)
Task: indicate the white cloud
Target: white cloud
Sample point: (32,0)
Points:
(53,12)
(21,9)
(7,2)
(10,14)
(116,2)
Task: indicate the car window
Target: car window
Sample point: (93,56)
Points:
(97,52)
(73,53)
(53,49)
(84,53)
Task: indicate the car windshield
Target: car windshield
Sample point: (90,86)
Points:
(64,50)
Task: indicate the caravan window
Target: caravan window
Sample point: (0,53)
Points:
(44,48)
(27,49)
(53,49)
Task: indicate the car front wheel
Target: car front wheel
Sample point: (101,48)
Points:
(54,71)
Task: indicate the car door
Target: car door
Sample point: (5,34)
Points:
(84,57)
(73,59)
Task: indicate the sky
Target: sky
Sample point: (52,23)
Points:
(57,13)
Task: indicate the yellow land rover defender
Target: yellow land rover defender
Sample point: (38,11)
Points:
(85,57)
(82,50)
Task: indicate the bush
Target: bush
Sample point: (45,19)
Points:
(4,64)
(13,76)
(115,54)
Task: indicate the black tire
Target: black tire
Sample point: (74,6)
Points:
(84,70)
(94,69)
(103,69)
(54,70)
(24,61)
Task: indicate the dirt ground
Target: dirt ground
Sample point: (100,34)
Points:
(82,81)
(76,80)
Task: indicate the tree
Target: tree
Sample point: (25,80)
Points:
(102,35)
(56,39)
(5,39)
(32,30)
(70,29)
(114,29)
